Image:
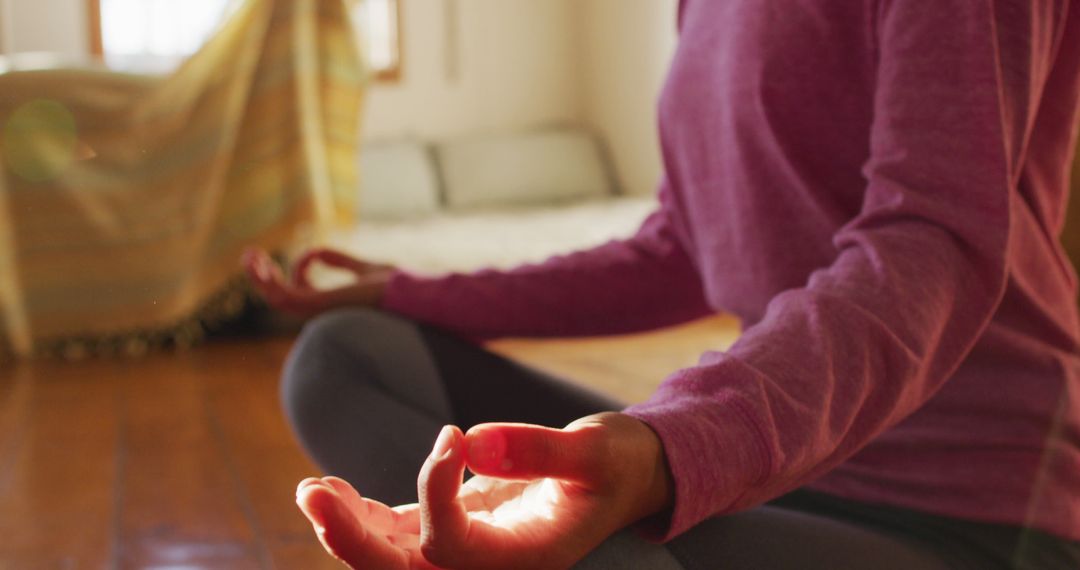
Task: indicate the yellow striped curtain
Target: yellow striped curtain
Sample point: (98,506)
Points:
(125,201)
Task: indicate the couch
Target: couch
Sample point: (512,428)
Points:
(487,201)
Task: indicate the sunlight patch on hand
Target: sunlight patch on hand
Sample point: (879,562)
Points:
(536,503)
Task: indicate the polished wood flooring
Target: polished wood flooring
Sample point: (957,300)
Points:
(183,461)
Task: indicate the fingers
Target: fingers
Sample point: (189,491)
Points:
(403,519)
(300,299)
(266,276)
(526,452)
(300,270)
(329,257)
(407,519)
(342,534)
(332,258)
(254,263)
(306,483)
(268,280)
(376,516)
(444,524)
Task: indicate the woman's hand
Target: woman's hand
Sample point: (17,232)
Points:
(542,498)
(299,298)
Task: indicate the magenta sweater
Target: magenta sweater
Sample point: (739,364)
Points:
(876,188)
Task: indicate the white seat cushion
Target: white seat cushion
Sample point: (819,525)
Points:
(466,241)
(397,180)
(538,168)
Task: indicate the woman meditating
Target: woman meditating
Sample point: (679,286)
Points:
(876,188)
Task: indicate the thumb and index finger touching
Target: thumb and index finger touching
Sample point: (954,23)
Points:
(504,451)
(336,259)
(333,258)
(509,451)
(298,296)
(260,265)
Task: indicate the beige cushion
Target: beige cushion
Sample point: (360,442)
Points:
(397,180)
(538,168)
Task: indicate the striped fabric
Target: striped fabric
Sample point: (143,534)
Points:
(125,201)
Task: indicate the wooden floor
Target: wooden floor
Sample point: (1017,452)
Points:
(184,461)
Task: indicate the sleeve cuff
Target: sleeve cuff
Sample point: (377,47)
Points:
(715,450)
(395,296)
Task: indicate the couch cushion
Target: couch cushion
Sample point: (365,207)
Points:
(464,241)
(544,167)
(397,180)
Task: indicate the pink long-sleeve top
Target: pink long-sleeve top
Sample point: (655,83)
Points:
(876,188)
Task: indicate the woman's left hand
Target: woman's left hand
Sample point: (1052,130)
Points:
(542,498)
(299,298)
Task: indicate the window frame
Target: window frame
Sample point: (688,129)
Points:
(389,75)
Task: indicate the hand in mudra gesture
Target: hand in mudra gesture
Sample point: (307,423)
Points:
(297,296)
(542,498)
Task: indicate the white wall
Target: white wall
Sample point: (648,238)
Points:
(527,63)
(5,25)
(628,45)
(515,62)
(57,26)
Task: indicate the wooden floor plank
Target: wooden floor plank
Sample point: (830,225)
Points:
(267,459)
(57,484)
(15,392)
(181,504)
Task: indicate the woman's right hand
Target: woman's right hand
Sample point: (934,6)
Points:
(298,297)
(541,498)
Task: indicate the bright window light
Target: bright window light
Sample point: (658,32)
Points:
(154,36)
(376,20)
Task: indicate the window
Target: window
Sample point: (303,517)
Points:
(379,29)
(156,35)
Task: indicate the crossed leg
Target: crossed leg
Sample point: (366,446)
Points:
(368,392)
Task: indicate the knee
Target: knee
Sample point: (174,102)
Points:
(336,347)
(320,351)
(340,335)
(331,327)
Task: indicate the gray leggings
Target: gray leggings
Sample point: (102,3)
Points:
(367,392)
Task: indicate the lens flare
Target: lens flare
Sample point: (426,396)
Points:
(40,140)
